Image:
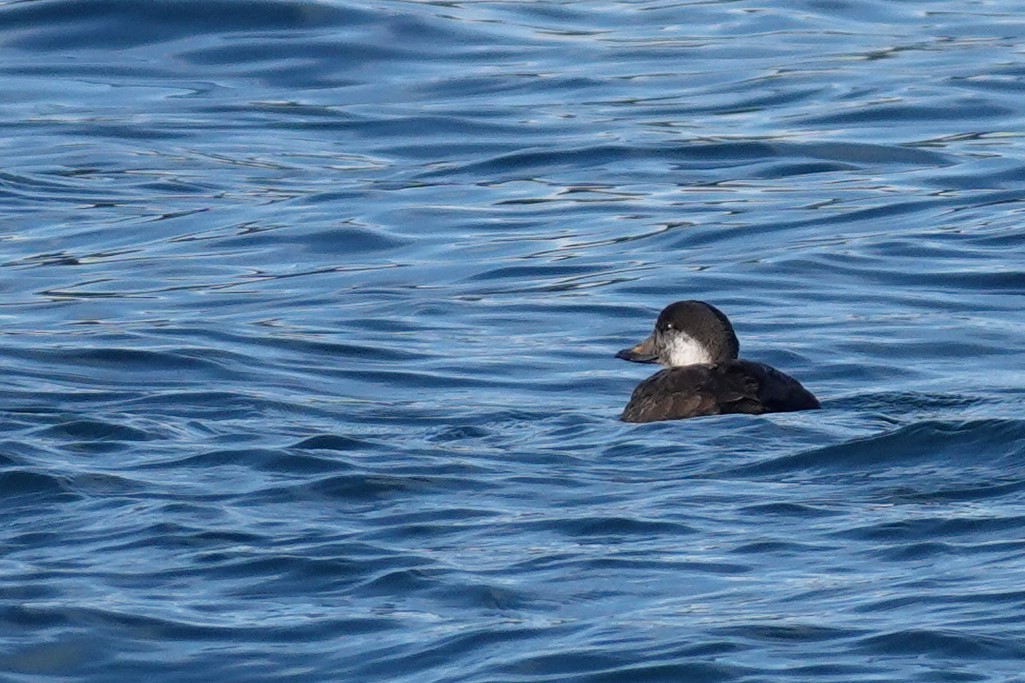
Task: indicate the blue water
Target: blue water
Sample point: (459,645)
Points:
(309,313)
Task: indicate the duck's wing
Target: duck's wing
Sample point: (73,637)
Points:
(691,391)
(774,391)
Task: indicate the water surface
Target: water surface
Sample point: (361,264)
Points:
(308,322)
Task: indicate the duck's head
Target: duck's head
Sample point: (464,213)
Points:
(687,333)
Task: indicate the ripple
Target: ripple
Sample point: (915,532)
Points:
(926,641)
(971,443)
(92,430)
(16,483)
(95,23)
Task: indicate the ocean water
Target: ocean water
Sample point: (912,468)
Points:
(307,322)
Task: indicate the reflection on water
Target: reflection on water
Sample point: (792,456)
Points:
(309,312)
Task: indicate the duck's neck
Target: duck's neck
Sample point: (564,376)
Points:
(685,350)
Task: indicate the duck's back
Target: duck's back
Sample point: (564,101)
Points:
(734,386)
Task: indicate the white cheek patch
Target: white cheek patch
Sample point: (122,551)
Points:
(685,350)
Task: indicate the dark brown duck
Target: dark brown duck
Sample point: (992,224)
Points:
(704,376)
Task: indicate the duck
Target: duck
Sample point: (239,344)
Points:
(704,374)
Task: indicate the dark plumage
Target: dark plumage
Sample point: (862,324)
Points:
(704,376)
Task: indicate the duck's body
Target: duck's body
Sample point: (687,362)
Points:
(733,386)
(705,376)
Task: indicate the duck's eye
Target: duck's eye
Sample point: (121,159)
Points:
(669,326)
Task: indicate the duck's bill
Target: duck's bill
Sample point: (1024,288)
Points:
(642,353)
